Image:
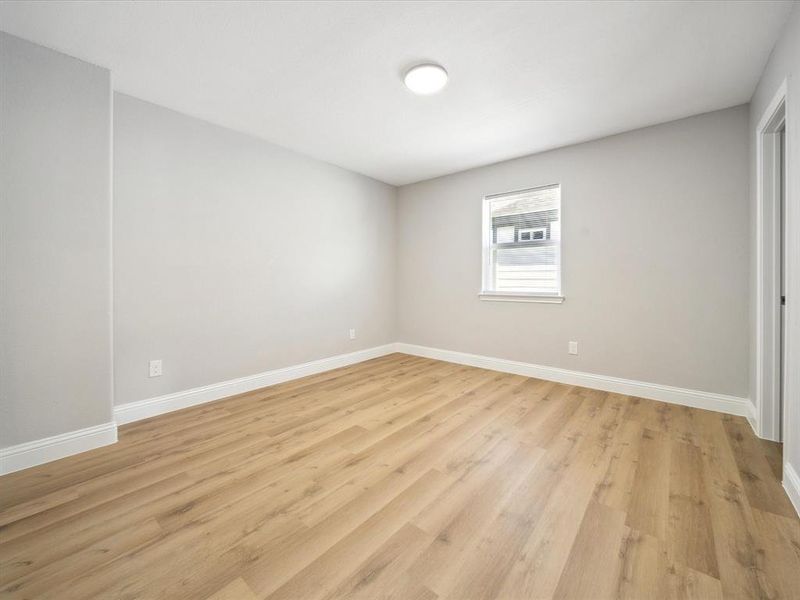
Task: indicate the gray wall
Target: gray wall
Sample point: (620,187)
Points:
(655,258)
(784,63)
(233,256)
(55,215)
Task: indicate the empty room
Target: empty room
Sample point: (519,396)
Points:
(400,300)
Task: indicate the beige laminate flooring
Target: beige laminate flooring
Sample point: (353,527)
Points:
(409,478)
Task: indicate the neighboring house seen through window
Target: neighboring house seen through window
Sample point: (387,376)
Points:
(522,243)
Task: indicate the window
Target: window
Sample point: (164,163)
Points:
(522,245)
(506,234)
(529,235)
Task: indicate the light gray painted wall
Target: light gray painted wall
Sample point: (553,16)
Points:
(55,216)
(784,63)
(655,255)
(233,256)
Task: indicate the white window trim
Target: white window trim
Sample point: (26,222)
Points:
(520,297)
(486,235)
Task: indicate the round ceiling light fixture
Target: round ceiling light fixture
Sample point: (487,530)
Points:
(426,79)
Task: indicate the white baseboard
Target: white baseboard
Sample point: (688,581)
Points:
(30,454)
(718,402)
(37,452)
(791,483)
(143,409)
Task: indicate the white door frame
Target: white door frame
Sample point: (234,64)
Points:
(768,256)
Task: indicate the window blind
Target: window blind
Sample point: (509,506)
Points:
(522,242)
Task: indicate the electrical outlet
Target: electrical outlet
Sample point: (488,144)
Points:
(155,368)
(352,334)
(573,348)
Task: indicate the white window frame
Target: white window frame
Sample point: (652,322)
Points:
(486,266)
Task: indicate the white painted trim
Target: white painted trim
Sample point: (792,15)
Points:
(37,452)
(778,98)
(520,297)
(719,402)
(111,312)
(143,409)
(767,351)
(791,483)
(34,453)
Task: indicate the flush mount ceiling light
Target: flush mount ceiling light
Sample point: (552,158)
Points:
(426,79)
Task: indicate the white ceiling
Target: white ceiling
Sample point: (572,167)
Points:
(325,79)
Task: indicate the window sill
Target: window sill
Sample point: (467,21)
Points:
(520,297)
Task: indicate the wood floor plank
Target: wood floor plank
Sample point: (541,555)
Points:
(27,554)
(289,578)
(235,590)
(409,478)
(37,584)
(649,502)
(760,485)
(649,572)
(378,576)
(690,534)
(642,572)
(415,448)
(738,557)
(615,488)
(778,538)
(458,526)
(540,541)
(773,452)
(322,575)
(593,567)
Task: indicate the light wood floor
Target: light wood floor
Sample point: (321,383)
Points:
(414,479)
